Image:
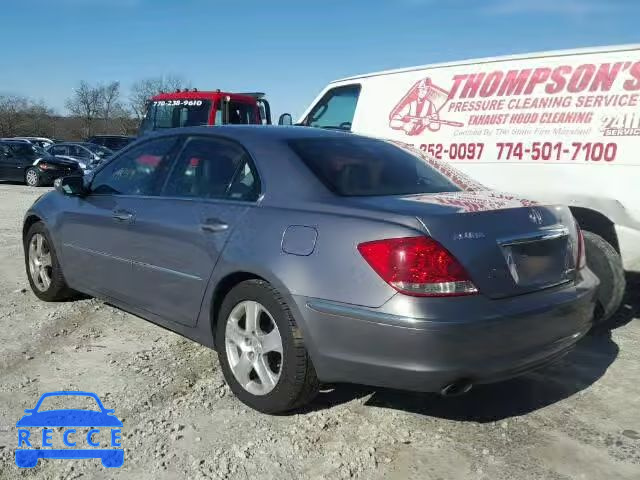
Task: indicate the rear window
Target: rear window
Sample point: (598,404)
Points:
(357,166)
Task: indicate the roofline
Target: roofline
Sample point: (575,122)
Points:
(207,94)
(475,61)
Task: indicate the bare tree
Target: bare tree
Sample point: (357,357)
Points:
(109,101)
(146,88)
(39,120)
(85,103)
(12,114)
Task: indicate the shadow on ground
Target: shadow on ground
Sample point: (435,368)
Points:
(582,367)
(630,308)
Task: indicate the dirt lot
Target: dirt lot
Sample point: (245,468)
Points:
(578,419)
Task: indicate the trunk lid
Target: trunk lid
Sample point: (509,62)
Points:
(509,246)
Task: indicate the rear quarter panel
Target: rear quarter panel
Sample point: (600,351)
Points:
(335,270)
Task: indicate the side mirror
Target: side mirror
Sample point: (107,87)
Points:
(285,119)
(72,185)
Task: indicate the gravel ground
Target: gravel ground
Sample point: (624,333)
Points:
(579,419)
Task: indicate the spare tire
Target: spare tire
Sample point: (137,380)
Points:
(605,262)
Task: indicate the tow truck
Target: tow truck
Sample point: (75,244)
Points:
(190,107)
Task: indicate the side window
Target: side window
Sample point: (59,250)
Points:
(335,109)
(139,171)
(58,150)
(213,168)
(23,151)
(79,152)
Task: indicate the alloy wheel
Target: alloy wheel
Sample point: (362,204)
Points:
(40,265)
(32,178)
(254,347)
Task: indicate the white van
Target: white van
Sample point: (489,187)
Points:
(561,127)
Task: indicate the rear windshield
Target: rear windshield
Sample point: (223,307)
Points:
(357,166)
(176,113)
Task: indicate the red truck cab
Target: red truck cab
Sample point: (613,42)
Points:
(190,107)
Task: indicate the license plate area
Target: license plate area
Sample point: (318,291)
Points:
(539,260)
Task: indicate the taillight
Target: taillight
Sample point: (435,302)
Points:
(417,266)
(581,260)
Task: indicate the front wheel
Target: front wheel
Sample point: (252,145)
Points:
(32,177)
(43,268)
(605,262)
(261,350)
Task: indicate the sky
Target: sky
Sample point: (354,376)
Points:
(289,49)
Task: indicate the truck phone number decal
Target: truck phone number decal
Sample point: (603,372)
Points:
(178,103)
(528,152)
(548,109)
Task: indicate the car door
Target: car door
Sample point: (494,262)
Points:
(178,237)
(21,156)
(4,161)
(96,230)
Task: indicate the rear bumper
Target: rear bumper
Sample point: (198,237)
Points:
(425,344)
(47,177)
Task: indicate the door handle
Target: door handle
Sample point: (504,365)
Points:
(214,225)
(122,216)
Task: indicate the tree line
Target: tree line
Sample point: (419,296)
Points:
(93,109)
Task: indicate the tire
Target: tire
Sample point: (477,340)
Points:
(56,289)
(32,177)
(297,383)
(605,262)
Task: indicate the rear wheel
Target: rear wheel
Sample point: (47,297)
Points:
(32,177)
(43,269)
(605,262)
(261,350)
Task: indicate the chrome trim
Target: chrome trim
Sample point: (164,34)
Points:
(134,262)
(166,270)
(95,252)
(549,234)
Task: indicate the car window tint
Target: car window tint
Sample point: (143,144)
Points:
(357,166)
(58,150)
(336,108)
(78,151)
(23,150)
(140,171)
(212,168)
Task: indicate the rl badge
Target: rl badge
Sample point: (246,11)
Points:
(43,432)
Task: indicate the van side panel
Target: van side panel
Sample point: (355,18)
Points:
(558,127)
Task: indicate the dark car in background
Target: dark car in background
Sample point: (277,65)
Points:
(24,162)
(112,142)
(88,155)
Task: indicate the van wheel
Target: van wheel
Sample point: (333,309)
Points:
(261,351)
(605,262)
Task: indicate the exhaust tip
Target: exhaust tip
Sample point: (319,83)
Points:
(459,387)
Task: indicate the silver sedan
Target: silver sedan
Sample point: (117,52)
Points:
(306,256)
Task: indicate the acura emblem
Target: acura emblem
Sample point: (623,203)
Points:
(535,216)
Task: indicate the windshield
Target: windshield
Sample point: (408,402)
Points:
(25,150)
(358,166)
(40,150)
(239,113)
(176,113)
